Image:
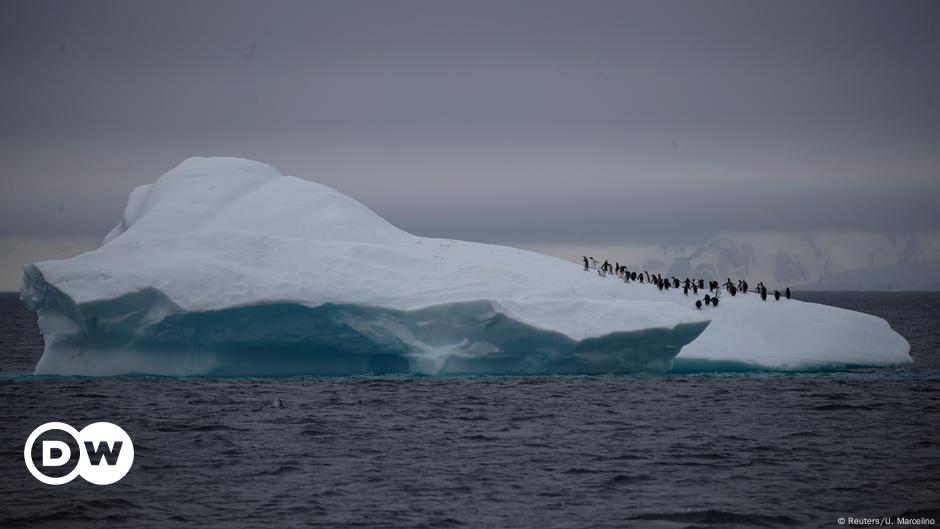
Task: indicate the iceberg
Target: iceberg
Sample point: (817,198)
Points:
(225,267)
(748,334)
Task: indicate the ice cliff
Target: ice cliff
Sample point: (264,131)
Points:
(224,266)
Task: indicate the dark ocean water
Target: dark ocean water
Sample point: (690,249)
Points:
(707,450)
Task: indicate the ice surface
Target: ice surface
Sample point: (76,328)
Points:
(224,266)
(748,333)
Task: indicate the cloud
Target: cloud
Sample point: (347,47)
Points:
(529,122)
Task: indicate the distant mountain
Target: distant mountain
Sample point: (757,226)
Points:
(826,260)
(901,276)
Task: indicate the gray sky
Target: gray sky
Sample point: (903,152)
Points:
(532,122)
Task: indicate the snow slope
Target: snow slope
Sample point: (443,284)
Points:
(225,267)
(747,333)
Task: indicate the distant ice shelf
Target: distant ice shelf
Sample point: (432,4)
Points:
(223,266)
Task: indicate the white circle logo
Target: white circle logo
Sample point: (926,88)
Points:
(105,453)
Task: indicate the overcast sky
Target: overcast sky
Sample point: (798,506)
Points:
(532,122)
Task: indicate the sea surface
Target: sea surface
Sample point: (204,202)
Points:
(658,451)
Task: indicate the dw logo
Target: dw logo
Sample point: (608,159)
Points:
(105,453)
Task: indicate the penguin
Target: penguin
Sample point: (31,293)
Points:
(695,288)
(744,287)
(787,293)
(585,262)
(685,290)
(698,304)
(777,295)
(701,283)
(732,290)
(708,299)
(714,302)
(763,295)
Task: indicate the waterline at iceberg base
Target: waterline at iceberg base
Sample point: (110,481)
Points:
(225,267)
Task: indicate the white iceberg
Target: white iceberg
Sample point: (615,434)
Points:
(749,334)
(225,267)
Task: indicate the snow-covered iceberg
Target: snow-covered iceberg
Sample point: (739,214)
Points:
(224,266)
(749,334)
